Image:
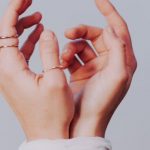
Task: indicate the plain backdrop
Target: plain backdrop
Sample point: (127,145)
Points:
(130,126)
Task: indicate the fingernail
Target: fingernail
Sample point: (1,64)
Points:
(37,15)
(40,26)
(48,35)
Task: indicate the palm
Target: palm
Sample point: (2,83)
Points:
(33,97)
(82,77)
(93,75)
(99,85)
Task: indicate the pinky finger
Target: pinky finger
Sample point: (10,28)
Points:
(28,22)
(28,47)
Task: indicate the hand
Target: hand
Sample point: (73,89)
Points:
(102,81)
(43,103)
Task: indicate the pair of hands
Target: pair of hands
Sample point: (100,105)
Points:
(46,106)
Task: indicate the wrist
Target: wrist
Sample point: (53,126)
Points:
(47,133)
(92,127)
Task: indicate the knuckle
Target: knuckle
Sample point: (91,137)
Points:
(135,65)
(57,86)
(124,76)
(121,77)
(57,83)
(62,85)
(120,43)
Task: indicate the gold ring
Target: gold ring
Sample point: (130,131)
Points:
(53,68)
(8,46)
(8,37)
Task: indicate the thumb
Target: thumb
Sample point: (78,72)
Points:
(49,50)
(116,47)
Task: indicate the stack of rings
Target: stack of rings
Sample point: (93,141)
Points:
(13,45)
(8,37)
(16,36)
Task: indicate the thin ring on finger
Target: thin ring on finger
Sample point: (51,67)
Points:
(53,68)
(8,46)
(8,37)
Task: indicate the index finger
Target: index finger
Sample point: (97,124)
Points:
(10,19)
(84,31)
(113,17)
(120,27)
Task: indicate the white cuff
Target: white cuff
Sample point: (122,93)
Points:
(44,144)
(89,143)
(80,143)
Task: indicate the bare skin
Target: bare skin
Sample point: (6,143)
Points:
(101,83)
(43,103)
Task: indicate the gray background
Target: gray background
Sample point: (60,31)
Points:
(130,126)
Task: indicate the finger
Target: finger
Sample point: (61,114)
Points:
(80,47)
(10,19)
(11,56)
(75,65)
(116,47)
(30,43)
(28,22)
(113,17)
(49,50)
(121,29)
(94,34)
(83,31)
(26,4)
